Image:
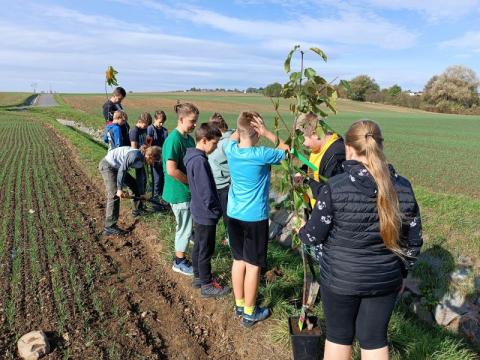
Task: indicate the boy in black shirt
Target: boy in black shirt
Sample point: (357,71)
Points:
(115,104)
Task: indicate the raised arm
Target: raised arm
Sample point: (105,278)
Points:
(261,130)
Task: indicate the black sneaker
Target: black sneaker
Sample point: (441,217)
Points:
(214,289)
(114,230)
(140,212)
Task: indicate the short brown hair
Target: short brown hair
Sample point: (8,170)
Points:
(145,118)
(119,91)
(160,114)
(244,122)
(185,109)
(218,121)
(119,114)
(207,131)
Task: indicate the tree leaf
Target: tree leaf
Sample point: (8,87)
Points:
(289,58)
(310,73)
(345,84)
(295,76)
(320,53)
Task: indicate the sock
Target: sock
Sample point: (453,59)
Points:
(248,310)
(240,302)
(178,260)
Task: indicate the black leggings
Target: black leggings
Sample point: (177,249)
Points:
(366,317)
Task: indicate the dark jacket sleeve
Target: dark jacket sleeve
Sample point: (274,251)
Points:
(316,230)
(206,191)
(107,115)
(412,240)
(315,186)
(130,159)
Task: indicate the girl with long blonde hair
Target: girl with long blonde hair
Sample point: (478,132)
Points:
(368,222)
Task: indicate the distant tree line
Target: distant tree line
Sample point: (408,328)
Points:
(453,91)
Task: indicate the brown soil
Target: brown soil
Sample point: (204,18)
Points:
(136,306)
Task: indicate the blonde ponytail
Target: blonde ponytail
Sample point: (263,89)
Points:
(366,138)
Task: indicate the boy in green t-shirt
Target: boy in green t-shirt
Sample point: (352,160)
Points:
(176,191)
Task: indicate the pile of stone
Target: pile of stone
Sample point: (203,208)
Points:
(93,133)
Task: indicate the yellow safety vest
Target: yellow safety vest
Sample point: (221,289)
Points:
(316,159)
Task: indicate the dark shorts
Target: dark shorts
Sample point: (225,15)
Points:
(365,317)
(249,240)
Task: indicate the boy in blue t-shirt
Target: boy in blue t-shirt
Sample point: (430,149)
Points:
(248,210)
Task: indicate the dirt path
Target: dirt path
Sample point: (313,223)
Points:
(45,100)
(97,297)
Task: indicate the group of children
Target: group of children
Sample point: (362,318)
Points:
(220,173)
(365,221)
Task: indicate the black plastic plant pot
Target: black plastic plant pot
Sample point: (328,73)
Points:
(306,344)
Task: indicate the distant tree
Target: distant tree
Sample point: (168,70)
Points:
(273,90)
(394,90)
(454,90)
(361,87)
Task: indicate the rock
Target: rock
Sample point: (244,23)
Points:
(469,327)
(33,345)
(465,261)
(413,284)
(282,217)
(421,312)
(460,274)
(274,230)
(450,307)
(285,238)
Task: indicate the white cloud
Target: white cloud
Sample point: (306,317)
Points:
(432,9)
(470,41)
(349,27)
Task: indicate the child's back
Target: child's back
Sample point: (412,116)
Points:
(250,174)
(204,204)
(113,136)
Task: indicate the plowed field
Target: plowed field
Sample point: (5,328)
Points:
(96,297)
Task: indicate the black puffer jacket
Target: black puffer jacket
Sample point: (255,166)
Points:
(354,259)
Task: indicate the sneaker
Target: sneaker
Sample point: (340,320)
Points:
(259,314)
(185,267)
(196,283)
(214,289)
(159,208)
(139,212)
(114,230)
(155,199)
(238,310)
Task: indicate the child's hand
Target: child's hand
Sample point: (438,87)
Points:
(259,126)
(120,194)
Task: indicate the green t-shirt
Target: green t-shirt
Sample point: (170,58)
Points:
(174,148)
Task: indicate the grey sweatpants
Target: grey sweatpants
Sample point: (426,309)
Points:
(109,175)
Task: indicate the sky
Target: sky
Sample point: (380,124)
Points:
(167,45)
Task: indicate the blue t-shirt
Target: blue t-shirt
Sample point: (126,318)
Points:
(250,176)
(157,134)
(138,135)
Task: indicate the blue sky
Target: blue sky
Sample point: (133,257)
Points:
(167,45)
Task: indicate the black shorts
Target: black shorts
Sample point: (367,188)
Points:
(367,317)
(249,240)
